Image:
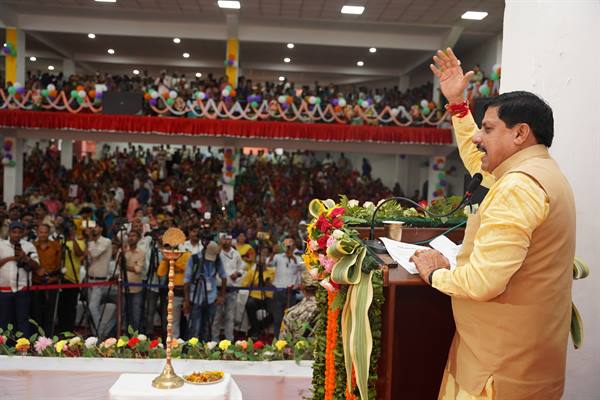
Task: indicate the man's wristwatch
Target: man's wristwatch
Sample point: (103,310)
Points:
(430,278)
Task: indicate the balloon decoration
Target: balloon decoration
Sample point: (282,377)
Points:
(496,72)
(230,165)
(439,166)
(231,61)
(8,49)
(484,89)
(287,107)
(426,107)
(228,92)
(8,157)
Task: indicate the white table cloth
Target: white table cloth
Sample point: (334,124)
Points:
(47,378)
(139,387)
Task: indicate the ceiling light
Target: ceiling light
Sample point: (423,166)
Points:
(33,58)
(198,74)
(476,15)
(105,1)
(282,78)
(136,71)
(372,50)
(110,51)
(357,10)
(287,60)
(176,40)
(229,4)
(290,45)
(186,55)
(360,63)
(92,35)
(51,67)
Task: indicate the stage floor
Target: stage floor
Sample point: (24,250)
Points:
(90,378)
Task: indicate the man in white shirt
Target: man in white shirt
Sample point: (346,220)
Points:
(193,245)
(98,255)
(18,258)
(234,267)
(288,268)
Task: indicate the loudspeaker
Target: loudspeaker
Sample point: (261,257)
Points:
(127,103)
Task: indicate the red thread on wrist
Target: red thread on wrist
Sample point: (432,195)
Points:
(458,110)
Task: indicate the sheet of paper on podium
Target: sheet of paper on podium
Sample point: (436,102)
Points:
(401,253)
(447,247)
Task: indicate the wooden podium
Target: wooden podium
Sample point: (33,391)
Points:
(418,328)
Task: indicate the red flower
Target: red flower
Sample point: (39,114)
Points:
(337,211)
(338,223)
(153,344)
(132,342)
(322,224)
(258,345)
(2,339)
(322,241)
(423,203)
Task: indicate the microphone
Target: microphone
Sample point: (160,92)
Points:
(378,247)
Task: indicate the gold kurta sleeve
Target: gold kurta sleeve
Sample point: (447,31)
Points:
(515,207)
(464,129)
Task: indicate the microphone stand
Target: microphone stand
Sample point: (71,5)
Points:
(377,246)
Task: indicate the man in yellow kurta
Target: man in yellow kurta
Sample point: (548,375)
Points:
(511,289)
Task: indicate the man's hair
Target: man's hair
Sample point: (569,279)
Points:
(525,107)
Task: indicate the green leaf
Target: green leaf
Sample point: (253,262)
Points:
(68,334)
(576,327)
(18,334)
(9,327)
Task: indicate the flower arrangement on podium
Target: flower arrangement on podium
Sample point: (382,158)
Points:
(360,214)
(348,330)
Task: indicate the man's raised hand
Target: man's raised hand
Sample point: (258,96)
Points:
(453,81)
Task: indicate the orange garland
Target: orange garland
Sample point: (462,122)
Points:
(349,390)
(332,336)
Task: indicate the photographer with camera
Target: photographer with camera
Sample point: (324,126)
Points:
(201,295)
(43,301)
(193,245)
(73,252)
(259,276)
(163,271)
(17,259)
(288,268)
(98,255)
(234,268)
(135,258)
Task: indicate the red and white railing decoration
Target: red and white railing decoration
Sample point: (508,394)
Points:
(211,109)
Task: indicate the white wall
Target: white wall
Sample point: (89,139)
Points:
(421,75)
(551,48)
(485,54)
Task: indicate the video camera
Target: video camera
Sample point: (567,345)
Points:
(18,252)
(66,228)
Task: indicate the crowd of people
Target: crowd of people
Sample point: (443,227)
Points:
(247,91)
(102,221)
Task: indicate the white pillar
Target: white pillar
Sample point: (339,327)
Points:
(551,48)
(68,67)
(66,154)
(436,89)
(21,56)
(401,162)
(13,175)
(404,82)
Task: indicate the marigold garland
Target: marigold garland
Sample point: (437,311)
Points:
(332,337)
